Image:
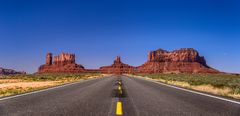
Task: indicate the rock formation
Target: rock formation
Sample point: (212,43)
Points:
(10,72)
(63,63)
(49,59)
(117,67)
(185,60)
(64,59)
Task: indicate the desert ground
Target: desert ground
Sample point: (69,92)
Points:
(17,84)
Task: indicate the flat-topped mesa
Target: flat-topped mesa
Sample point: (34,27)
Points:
(63,63)
(117,67)
(185,60)
(181,55)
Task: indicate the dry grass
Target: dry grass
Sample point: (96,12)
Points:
(27,84)
(11,85)
(226,88)
(11,88)
(237,96)
(225,91)
(210,89)
(10,80)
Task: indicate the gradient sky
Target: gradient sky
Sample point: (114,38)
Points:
(98,31)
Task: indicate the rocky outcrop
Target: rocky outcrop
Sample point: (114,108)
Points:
(64,59)
(117,67)
(10,72)
(185,60)
(63,63)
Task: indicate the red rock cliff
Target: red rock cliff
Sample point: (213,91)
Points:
(63,63)
(186,60)
(64,58)
(117,67)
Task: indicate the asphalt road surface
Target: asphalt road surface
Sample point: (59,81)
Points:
(100,97)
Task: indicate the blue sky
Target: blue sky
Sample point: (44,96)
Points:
(98,31)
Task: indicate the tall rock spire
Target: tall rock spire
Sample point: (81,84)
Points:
(49,59)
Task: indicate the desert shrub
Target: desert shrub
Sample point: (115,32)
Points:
(217,80)
(50,76)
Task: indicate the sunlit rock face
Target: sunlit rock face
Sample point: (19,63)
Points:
(185,60)
(117,67)
(63,63)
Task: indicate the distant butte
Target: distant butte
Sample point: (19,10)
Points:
(63,63)
(10,72)
(117,68)
(185,60)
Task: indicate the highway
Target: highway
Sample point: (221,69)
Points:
(116,95)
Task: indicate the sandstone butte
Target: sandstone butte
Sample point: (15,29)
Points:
(185,60)
(63,63)
(10,72)
(118,68)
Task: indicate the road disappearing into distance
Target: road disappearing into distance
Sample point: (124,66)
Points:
(116,95)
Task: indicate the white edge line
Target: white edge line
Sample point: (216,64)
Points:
(42,90)
(203,94)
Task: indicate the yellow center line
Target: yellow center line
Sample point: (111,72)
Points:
(120,92)
(119,108)
(119,88)
(119,111)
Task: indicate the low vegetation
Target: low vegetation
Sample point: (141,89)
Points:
(16,84)
(220,84)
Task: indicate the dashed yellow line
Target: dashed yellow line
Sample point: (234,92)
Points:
(119,108)
(119,88)
(120,92)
